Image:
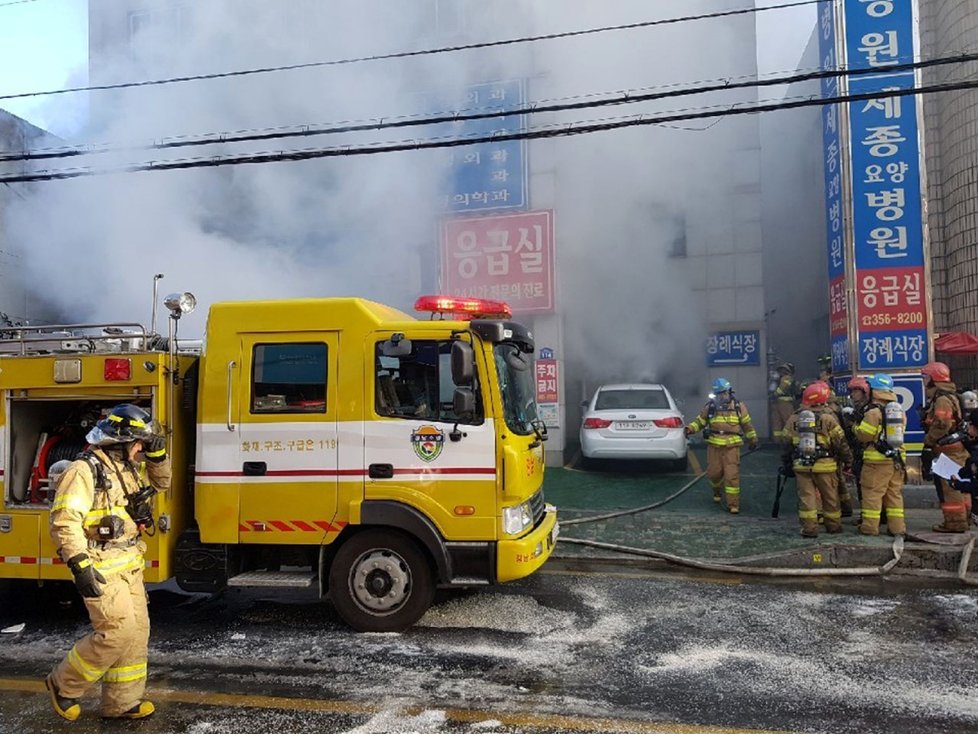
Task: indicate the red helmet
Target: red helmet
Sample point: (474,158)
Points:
(818,393)
(859,383)
(937,371)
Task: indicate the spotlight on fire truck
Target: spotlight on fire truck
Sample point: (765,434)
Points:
(471,308)
(180,304)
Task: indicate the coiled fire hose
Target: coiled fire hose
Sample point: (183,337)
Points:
(733,568)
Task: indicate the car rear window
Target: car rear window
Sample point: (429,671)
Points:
(612,399)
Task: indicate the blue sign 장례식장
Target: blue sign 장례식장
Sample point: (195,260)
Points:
(733,348)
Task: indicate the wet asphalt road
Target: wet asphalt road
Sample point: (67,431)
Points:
(570,649)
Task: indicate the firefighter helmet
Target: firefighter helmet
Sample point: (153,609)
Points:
(721,384)
(825,360)
(787,368)
(880,381)
(937,372)
(818,393)
(125,423)
(858,383)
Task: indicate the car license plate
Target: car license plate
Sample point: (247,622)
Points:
(632,425)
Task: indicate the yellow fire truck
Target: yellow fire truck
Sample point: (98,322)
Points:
(337,442)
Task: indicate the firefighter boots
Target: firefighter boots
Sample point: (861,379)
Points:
(66,708)
(140,711)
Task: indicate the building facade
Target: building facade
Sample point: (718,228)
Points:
(21,301)
(658,239)
(950,27)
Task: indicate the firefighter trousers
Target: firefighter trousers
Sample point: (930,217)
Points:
(723,471)
(782,412)
(955,505)
(845,497)
(810,485)
(882,488)
(115,652)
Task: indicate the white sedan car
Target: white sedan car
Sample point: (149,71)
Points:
(635,421)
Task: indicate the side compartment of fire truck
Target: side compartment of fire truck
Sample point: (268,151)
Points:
(46,423)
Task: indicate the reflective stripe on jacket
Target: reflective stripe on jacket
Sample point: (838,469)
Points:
(829,437)
(728,425)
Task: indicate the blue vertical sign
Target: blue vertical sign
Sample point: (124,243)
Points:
(832,168)
(888,236)
(489,176)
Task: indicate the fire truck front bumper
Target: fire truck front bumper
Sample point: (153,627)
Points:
(522,556)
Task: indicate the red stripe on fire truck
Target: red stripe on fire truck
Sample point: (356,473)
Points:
(290,526)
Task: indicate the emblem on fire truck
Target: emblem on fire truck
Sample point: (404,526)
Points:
(428,442)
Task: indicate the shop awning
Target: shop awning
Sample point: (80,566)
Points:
(956,342)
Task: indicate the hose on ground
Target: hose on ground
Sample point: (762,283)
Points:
(761,570)
(645,508)
(636,510)
(963,564)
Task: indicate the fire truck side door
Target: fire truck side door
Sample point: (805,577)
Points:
(287,437)
(410,454)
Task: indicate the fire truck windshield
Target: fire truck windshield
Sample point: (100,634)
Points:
(515,370)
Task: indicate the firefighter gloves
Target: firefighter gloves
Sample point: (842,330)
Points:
(926,460)
(154,448)
(87,578)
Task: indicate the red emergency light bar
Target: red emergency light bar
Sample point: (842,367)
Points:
(473,308)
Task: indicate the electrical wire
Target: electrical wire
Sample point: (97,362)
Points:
(421,52)
(622,98)
(16,2)
(567,130)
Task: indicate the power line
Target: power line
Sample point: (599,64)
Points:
(562,131)
(16,2)
(626,97)
(422,52)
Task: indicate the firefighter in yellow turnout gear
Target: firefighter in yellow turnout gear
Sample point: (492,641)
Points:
(884,461)
(725,423)
(94,526)
(784,399)
(815,449)
(942,416)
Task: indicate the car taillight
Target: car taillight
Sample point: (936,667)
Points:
(596,423)
(116,369)
(671,422)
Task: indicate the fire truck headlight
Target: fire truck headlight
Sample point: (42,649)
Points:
(516,519)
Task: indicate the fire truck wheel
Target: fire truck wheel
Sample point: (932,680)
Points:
(380,581)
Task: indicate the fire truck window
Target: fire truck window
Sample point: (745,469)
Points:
(418,386)
(288,378)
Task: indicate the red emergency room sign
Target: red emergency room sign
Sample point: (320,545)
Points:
(509,257)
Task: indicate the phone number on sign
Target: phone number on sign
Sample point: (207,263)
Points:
(887,319)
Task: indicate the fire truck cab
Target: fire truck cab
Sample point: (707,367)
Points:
(331,442)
